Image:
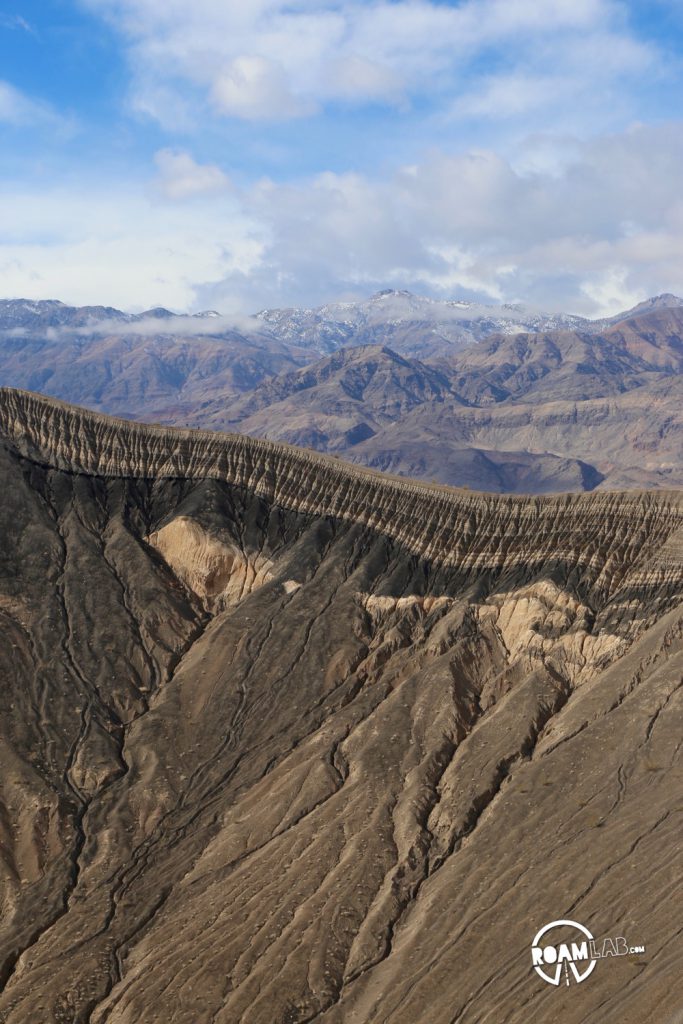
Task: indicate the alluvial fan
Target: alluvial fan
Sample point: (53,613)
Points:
(287,740)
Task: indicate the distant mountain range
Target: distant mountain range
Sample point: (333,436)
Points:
(499,398)
(411,325)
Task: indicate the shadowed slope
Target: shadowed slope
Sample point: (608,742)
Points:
(287,740)
(561,410)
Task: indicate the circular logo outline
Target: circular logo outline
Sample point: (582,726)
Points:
(555,980)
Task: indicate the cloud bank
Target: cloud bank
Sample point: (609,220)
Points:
(592,235)
(297,151)
(273,60)
(180,176)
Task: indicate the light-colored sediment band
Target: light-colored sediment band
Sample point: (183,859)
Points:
(606,533)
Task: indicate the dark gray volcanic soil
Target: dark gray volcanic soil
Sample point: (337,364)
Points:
(287,740)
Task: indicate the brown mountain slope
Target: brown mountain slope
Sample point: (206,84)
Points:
(360,403)
(528,413)
(284,740)
(370,404)
(544,367)
(159,365)
(139,368)
(629,441)
(372,376)
(571,364)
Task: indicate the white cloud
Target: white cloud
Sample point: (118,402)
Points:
(358,78)
(606,227)
(16,108)
(270,59)
(181,176)
(507,95)
(105,244)
(592,234)
(577,84)
(178,326)
(255,88)
(15,21)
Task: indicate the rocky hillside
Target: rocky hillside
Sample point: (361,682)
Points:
(288,740)
(527,413)
(367,403)
(493,398)
(159,365)
(152,365)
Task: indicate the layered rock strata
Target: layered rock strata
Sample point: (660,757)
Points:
(286,740)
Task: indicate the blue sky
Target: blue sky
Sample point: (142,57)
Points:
(234,155)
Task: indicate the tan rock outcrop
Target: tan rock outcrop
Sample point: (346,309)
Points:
(285,740)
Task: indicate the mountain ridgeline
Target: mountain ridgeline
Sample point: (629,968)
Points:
(500,399)
(288,740)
